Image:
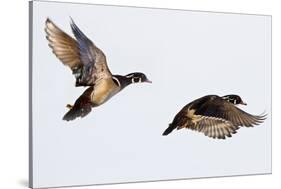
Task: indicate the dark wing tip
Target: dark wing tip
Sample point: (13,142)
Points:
(77,32)
(257,119)
(263,116)
(71,20)
(48,21)
(260,118)
(73,26)
(49,26)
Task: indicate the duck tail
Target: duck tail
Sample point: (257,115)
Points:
(169,130)
(71,114)
(78,110)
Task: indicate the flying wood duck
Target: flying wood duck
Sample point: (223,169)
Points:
(215,116)
(89,66)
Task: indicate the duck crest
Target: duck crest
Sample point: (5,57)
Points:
(124,81)
(234,99)
(89,67)
(217,117)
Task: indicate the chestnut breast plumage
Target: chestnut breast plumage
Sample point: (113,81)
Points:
(89,66)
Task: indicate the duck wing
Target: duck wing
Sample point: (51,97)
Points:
(213,127)
(87,62)
(219,108)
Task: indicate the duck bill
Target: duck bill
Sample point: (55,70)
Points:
(148,81)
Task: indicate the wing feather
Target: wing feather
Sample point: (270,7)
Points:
(220,108)
(62,45)
(87,62)
(210,126)
(214,127)
(93,59)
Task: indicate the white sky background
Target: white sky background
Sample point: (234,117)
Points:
(186,55)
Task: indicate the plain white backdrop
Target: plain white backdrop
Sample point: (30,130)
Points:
(14,93)
(186,54)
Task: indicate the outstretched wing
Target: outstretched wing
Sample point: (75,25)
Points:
(81,107)
(93,59)
(63,46)
(210,126)
(87,62)
(213,127)
(220,108)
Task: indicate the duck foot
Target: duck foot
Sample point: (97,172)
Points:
(69,106)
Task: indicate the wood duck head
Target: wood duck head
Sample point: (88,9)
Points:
(136,77)
(234,99)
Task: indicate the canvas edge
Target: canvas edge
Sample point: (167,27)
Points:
(271,96)
(150,7)
(30,133)
(152,181)
(30,60)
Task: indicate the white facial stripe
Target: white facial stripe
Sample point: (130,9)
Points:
(129,76)
(118,82)
(133,80)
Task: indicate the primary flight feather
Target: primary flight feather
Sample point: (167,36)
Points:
(89,66)
(216,117)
